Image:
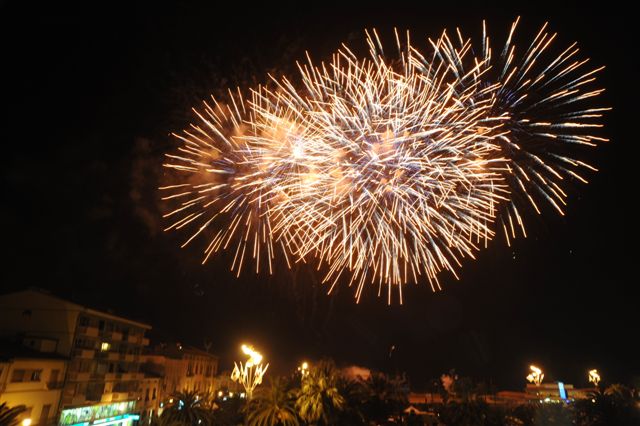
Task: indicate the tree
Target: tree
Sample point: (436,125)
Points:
(273,405)
(355,394)
(319,400)
(164,421)
(612,406)
(229,412)
(9,415)
(188,408)
(387,396)
(471,413)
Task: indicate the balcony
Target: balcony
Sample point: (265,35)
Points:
(84,353)
(132,338)
(128,357)
(78,400)
(112,336)
(75,376)
(88,330)
(115,396)
(55,385)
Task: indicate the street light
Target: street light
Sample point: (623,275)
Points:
(594,377)
(535,376)
(26,422)
(251,372)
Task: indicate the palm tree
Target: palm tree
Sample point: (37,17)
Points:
(355,394)
(388,396)
(273,405)
(319,399)
(9,416)
(613,405)
(164,421)
(188,408)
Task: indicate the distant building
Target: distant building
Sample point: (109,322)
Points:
(103,351)
(425,398)
(150,397)
(178,368)
(556,391)
(31,378)
(225,387)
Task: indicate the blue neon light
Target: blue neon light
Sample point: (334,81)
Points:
(563,392)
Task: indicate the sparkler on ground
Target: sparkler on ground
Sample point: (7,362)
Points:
(535,376)
(594,377)
(251,372)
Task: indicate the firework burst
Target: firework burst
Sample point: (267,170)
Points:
(382,171)
(402,176)
(214,167)
(545,96)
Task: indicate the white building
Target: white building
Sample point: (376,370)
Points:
(33,379)
(102,380)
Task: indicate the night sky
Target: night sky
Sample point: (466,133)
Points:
(90,99)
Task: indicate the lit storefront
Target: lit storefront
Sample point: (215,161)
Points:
(117,414)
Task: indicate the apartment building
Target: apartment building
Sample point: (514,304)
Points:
(103,352)
(182,368)
(31,378)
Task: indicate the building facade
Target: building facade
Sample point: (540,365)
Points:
(103,352)
(182,368)
(150,397)
(33,379)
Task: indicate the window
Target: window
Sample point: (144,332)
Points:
(44,414)
(146,395)
(154,393)
(101,325)
(84,321)
(20,375)
(35,375)
(53,378)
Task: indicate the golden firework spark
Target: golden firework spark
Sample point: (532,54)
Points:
(546,96)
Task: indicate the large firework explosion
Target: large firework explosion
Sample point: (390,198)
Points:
(381,169)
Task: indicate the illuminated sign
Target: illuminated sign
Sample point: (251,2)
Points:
(561,389)
(99,414)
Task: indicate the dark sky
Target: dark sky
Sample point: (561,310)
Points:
(89,101)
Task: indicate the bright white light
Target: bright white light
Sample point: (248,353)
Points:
(298,151)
